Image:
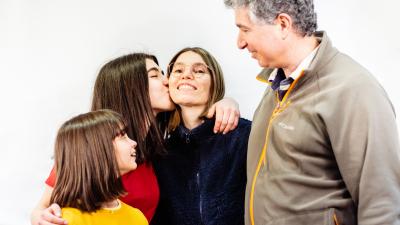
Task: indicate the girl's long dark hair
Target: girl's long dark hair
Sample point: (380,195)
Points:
(122,85)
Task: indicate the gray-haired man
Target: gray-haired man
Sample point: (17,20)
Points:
(324,147)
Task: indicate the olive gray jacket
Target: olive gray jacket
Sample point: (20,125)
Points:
(329,154)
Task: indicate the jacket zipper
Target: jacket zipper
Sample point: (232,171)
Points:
(200,200)
(187,138)
(335,219)
(281,105)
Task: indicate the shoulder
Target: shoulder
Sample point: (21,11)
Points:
(347,72)
(242,131)
(244,124)
(72,215)
(134,213)
(344,78)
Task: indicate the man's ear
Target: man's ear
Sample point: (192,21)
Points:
(284,21)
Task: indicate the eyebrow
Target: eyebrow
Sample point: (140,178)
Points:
(240,26)
(196,63)
(153,69)
(179,63)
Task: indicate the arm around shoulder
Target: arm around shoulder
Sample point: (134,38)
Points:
(44,213)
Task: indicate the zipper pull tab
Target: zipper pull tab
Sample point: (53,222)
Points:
(187,138)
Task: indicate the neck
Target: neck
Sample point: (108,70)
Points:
(300,48)
(111,204)
(190,116)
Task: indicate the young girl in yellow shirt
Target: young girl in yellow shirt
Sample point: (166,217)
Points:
(92,151)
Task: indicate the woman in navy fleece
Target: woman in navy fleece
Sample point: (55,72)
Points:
(202,178)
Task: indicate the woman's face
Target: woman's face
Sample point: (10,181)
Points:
(158,89)
(190,80)
(125,153)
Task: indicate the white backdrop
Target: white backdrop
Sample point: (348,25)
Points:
(51,51)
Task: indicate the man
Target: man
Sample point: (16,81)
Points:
(324,147)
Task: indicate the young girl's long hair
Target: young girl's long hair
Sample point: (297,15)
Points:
(85,161)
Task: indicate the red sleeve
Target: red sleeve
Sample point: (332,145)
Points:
(51,180)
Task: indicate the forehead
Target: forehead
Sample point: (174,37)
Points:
(150,64)
(189,58)
(242,17)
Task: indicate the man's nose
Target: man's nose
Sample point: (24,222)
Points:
(241,44)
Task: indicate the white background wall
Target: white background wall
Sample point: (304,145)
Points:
(51,51)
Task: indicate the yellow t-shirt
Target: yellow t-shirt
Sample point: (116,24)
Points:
(123,214)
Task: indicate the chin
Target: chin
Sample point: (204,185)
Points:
(262,64)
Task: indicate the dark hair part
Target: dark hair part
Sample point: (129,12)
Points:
(122,85)
(85,161)
(217,88)
(301,11)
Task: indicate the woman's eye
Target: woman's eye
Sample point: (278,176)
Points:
(177,71)
(199,71)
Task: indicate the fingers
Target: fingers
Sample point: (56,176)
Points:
(226,115)
(219,114)
(55,209)
(224,120)
(232,123)
(211,111)
(236,123)
(51,216)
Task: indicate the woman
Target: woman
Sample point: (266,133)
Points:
(91,153)
(202,177)
(134,86)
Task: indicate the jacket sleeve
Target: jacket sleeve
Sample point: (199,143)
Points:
(365,141)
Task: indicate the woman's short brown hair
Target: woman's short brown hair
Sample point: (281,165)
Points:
(85,161)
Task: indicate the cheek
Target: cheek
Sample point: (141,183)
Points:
(156,91)
(119,157)
(172,82)
(172,89)
(153,88)
(124,154)
(173,94)
(206,86)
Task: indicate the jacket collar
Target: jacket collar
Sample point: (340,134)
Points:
(324,54)
(200,132)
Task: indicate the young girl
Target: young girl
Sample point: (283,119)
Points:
(92,151)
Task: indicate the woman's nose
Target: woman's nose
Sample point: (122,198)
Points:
(187,73)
